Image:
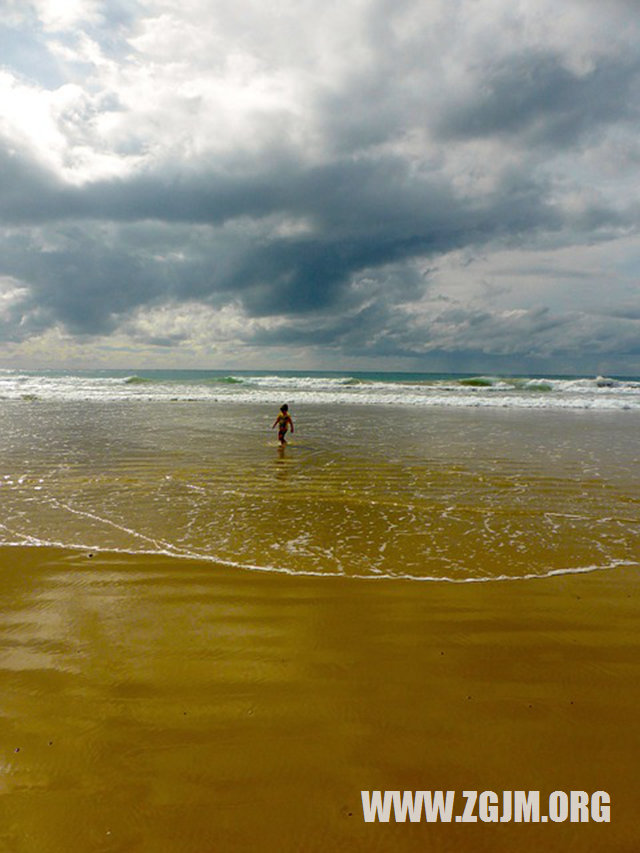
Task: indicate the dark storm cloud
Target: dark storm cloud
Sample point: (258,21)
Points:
(628,311)
(536,96)
(28,193)
(363,215)
(369,224)
(464,335)
(432,139)
(86,285)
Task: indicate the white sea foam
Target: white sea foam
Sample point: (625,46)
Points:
(595,393)
(34,542)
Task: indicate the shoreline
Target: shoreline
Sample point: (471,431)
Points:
(171,706)
(220,563)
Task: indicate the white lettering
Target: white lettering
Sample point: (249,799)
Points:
(488,806)
(373,807)
(579,807)
(436,806)
(506,807)
(410,803)
(468,815)
(526,806)
(558,806)
(601,807)
(519,806)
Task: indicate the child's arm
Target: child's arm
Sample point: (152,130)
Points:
(274,423)
(291,423)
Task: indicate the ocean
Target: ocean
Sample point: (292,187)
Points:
(329,387)
(414,476)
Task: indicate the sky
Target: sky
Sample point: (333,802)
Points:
(438,185)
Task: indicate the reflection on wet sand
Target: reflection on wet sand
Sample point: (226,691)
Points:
(157,704)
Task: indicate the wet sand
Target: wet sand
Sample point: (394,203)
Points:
(155,704)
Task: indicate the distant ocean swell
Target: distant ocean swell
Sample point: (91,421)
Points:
(544,392)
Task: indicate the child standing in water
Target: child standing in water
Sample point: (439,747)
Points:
(284,422)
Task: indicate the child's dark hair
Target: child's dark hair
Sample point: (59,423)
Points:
(284,408)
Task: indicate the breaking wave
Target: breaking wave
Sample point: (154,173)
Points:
(297,387)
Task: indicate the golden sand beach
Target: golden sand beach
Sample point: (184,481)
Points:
(158,704)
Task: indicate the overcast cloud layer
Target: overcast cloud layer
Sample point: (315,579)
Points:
(433,185)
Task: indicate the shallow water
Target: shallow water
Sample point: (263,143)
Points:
(369,491)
